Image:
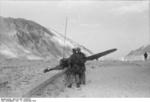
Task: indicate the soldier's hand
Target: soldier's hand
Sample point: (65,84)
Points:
(45,70)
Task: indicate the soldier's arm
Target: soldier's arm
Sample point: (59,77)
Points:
(55,68)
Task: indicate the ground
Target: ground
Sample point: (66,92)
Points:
(104,79)
(114,79)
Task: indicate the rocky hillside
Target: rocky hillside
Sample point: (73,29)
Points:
(20,38)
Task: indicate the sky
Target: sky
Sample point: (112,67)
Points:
(97,24)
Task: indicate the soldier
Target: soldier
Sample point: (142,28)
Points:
(82,58)
(62,65)
(145,55)
(77,67)
(69,76)
(70,73)
(64,62)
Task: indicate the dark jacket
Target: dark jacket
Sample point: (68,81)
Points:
(77,62)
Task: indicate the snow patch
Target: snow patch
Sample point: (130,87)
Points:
(61,41)
(7,52)
(134,58)
(33,57)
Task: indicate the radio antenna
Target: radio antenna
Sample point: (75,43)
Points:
(66,24)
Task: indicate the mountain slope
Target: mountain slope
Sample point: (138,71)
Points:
(140,50)
(20,38)
(138,53)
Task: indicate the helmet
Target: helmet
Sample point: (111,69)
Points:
(73,50)
(78,49)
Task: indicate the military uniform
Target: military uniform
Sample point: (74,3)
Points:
(145,56)
(77,67)
(82,67)
(63,62)
(68,74)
